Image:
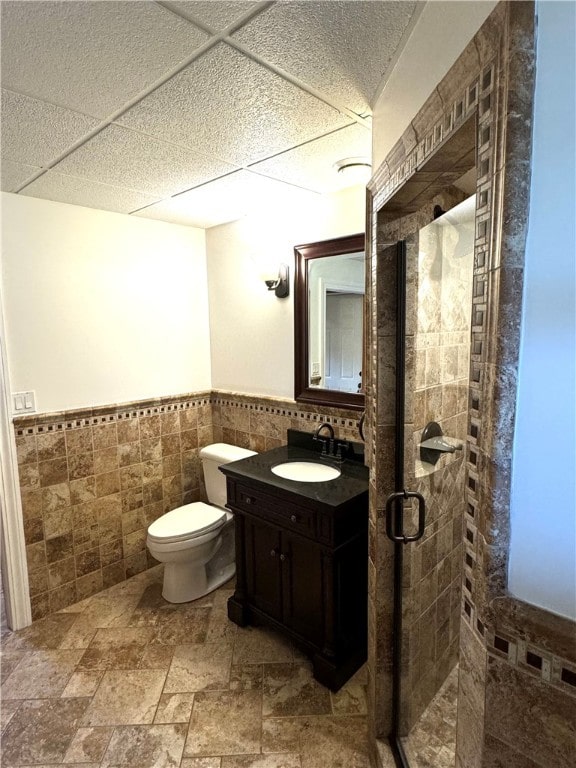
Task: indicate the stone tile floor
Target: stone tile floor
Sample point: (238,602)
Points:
(125,680)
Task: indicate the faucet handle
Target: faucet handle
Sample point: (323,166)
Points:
(342,448)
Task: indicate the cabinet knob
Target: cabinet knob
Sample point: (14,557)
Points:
(273,553)
(293,519)
(248,500)
(283,557)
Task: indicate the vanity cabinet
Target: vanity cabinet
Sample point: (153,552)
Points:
(283,578)
(301,567)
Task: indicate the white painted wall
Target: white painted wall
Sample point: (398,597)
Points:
(252,332)
(442,31)
(100,307)
(542,566)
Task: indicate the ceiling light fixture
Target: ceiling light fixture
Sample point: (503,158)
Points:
(356,170)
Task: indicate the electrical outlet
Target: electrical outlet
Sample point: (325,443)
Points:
(24,402)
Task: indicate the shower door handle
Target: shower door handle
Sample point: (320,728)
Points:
(395,522)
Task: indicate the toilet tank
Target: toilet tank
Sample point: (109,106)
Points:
(213,456)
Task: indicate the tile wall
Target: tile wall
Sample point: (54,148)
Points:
(438,378)
(443,323)
(261,423)
(92,481)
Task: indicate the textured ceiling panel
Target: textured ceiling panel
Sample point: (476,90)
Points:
(341,48)
(68,67)
(124,158)
(227,199)
(312,165)
(213,13)
(36,133)
(68,189)
(13,175)
(232,107)
(90,56)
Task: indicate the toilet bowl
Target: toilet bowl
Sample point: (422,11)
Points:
(196,541)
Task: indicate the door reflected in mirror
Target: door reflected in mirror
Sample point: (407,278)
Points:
(329,322)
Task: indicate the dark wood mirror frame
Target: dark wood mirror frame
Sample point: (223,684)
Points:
(303,392)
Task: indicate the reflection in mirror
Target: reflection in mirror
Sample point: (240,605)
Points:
(335,313)
(329,322)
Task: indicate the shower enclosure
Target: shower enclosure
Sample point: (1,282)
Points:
(434,289)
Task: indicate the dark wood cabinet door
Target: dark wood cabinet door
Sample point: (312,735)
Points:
(302,588)
(263,567)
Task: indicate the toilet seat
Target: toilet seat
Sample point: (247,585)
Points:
(186,522)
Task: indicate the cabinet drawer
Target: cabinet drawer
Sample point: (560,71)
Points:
(289,516)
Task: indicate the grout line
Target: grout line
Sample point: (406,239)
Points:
(234,25)
(225,35)
(112,729)
(105,122)
(310,89)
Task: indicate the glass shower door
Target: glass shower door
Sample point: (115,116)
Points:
(424,513)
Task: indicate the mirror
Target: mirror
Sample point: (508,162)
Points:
(329,286)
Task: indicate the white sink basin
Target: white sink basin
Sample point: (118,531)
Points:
(306,471)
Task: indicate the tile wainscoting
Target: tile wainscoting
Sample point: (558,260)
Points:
(92,480)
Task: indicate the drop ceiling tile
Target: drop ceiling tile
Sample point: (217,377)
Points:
(13,175)
(193,213)
(227,199)
(91,56)
(124,158)
(312,165)
(91,194)
(340,48)
(216,15)
(237,108)
(35,132)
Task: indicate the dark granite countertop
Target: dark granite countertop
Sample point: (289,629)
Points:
(352,482)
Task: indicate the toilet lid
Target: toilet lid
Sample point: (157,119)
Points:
(187,522)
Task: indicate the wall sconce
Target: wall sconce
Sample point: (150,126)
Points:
(280,284)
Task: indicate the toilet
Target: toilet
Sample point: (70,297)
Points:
(196,541)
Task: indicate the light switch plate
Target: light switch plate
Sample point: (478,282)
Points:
(24,402)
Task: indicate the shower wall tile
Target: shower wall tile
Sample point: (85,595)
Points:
(432,566)
(433,575)
(471,700)
(497,754)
